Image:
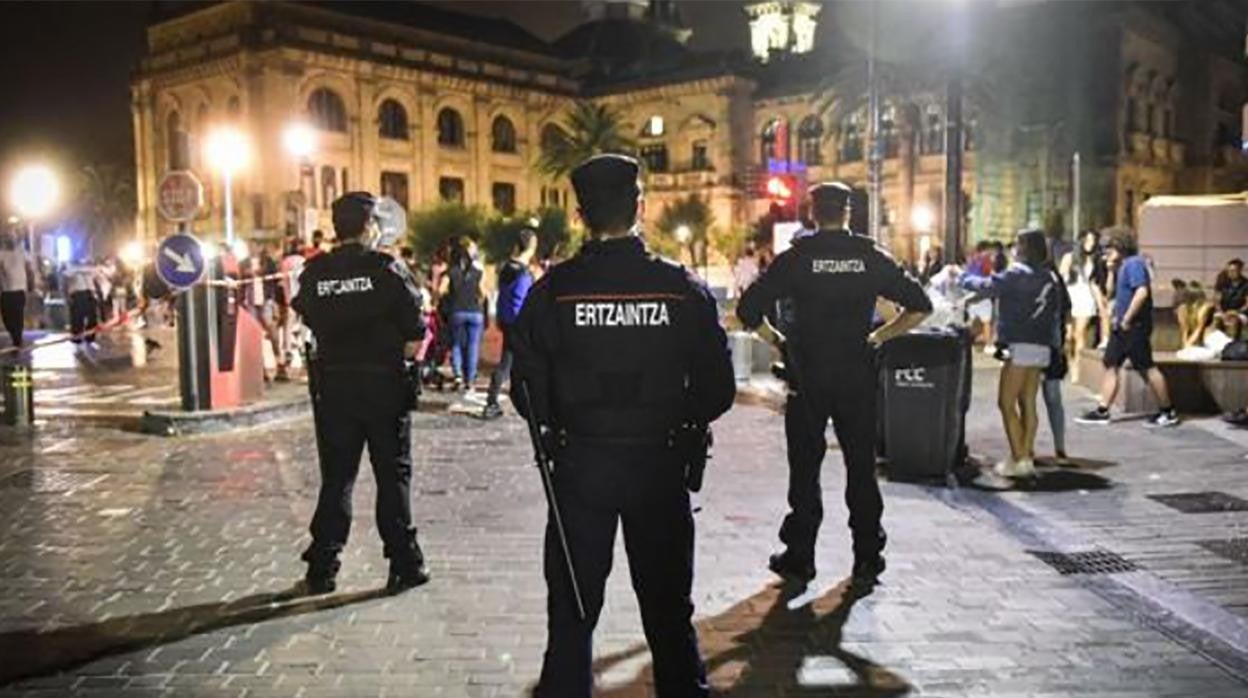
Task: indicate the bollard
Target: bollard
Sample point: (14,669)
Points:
(19,394)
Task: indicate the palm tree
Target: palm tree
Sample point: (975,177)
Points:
(589,129)
(107,201)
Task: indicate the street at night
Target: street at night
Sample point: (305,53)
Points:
(624,348)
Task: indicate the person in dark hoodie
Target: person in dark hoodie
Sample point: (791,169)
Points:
(514,282)
(1028,303)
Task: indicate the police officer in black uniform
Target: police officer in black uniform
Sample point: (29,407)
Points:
(832,280)
(363,309)
(619,349)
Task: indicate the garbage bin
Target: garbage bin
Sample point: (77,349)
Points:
(19,394)
(925,391)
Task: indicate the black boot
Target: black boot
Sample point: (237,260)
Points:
(867,571)
(793,567)
(322,571)
(407,569)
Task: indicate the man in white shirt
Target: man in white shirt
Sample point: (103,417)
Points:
(17,277)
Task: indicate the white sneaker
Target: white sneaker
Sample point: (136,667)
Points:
(990,349)
(1005,468)
(1025,468)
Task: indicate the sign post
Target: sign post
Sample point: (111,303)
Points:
(180,263)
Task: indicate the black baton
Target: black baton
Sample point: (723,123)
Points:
(548,486)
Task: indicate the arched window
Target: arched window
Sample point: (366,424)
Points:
(851,140)
(329,186)
(888,132)
(326,110)
(774,141)
(392,120)
(933,140)
(450,129)
(552,136)
(175,141)
(809,140)
(503,135)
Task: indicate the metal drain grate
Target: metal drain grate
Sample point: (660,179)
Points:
(1201,502)
(1233,549)
(1086,562)
(49,481)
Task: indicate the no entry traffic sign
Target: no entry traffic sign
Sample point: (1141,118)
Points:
(180,261)
(179,196)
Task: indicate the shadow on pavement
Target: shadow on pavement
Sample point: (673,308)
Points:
(762,647)
(31,653)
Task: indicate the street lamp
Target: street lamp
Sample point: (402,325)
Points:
(227,151)
(34,193)
(299,140)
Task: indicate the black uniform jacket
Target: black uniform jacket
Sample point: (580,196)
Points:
(617,342)
(361,305)
(833,278)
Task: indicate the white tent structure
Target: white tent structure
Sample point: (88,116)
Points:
(1192,238)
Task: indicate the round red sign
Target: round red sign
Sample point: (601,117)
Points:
(179,196)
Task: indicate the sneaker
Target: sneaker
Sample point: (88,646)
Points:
(1024,468)
(790,568)
(1098,416)
(491,411)
(1005,468)
(1164,418)
(990,349)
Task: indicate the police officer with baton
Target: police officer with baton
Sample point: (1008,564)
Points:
(831,281)
(621,363)
(363,308)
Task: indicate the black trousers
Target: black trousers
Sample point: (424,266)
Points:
(600,487)
(13,311)
(355,409)
(502,371)
(83,315)
(850,403)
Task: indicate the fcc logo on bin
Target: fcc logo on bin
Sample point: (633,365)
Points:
(912,377)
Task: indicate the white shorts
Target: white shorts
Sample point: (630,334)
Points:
(1030,355)
(1082,302)
(981,310)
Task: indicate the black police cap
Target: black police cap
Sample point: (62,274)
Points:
(827,195)
(352,211)
(604,177)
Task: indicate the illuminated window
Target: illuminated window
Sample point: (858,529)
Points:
(654,127)
(851,141)
(775,141)
(933,139)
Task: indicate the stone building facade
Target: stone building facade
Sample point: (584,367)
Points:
(427,105)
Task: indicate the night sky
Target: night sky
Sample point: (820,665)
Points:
(67,67)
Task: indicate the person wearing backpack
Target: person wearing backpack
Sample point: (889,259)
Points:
(514,282)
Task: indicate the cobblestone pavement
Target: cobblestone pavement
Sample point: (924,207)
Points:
(135,566)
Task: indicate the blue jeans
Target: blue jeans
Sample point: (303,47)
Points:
(467,326)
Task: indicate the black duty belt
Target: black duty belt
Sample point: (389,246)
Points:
(363,368)
(663,439)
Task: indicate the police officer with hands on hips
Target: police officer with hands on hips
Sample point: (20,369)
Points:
(833,278)
(363,308)
(619,351)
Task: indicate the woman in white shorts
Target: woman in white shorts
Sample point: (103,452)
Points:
(1084,271)
(1027,299)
